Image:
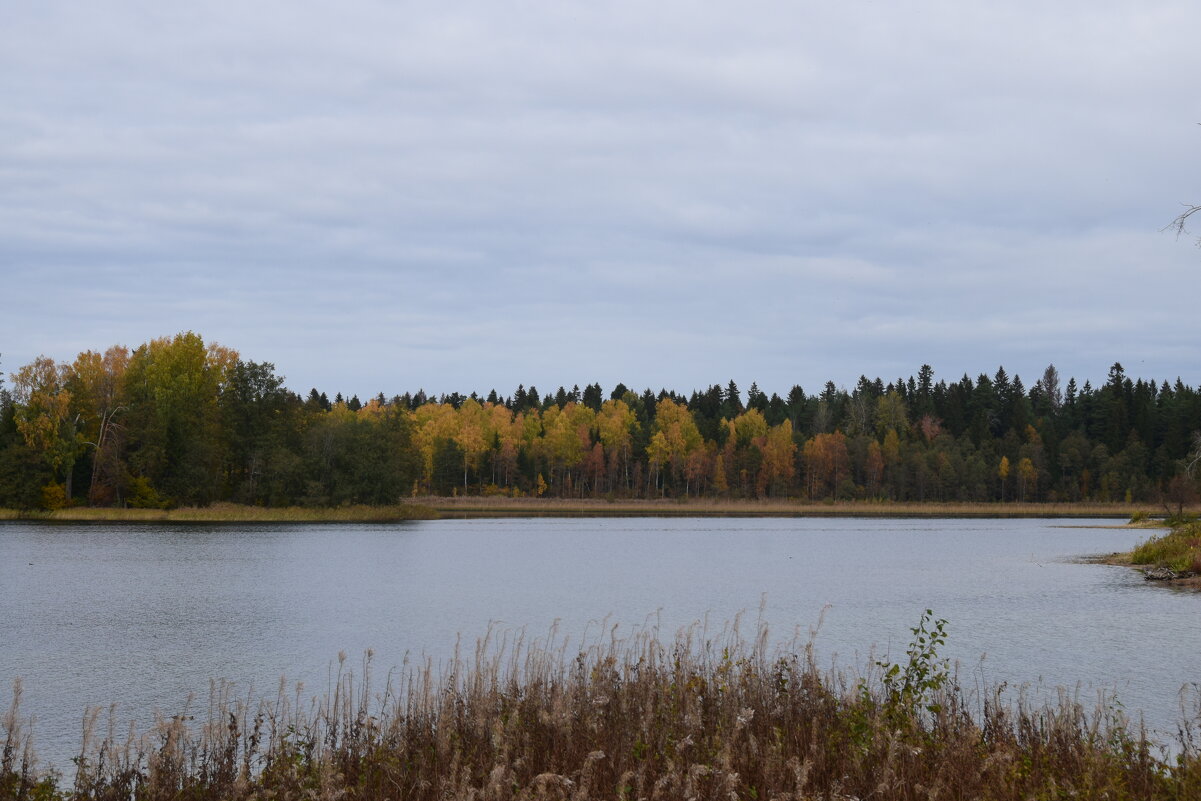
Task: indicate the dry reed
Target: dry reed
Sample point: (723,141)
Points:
(476,506)
(699,716)
(235,513)
(481,506)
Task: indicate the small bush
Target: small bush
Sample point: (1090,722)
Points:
(54,496)
(140,495)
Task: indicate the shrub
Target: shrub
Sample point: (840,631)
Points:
(54,496)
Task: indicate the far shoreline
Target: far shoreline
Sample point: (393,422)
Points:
(470,507)
(483,507)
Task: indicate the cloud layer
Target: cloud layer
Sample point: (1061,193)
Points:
(382,196)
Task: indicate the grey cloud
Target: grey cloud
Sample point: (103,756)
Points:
(381,196)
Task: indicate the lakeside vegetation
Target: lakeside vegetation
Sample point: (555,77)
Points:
(1172,557)
(231,513)
(1178,550)
(479,506)
(177,422)
(434,507)
(700,716)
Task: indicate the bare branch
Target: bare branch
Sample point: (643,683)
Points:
(1178,224)
(1194,457)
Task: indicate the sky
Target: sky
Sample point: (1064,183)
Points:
(386,196)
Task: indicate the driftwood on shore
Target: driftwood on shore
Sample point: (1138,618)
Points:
(1166,574)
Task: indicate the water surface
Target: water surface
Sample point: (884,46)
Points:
(142,615)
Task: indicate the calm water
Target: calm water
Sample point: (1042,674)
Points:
(143,615)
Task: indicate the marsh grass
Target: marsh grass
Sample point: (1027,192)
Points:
(477,506)
(427,508)
(235,513)
(698,716)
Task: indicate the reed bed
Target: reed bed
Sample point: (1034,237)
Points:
(432,507)
(488,506)
(694,717)
(235,513)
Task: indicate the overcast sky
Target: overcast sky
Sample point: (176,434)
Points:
(461,196)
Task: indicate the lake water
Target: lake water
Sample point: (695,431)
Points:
(144,615)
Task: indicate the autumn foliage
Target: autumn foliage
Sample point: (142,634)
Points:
(177,421)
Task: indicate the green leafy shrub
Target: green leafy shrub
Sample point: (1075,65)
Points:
(914,685)
(1179,549)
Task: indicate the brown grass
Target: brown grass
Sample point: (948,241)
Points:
(699,716)
(235,513)
(431,507)
(475,506)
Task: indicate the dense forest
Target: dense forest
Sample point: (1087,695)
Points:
(177,421)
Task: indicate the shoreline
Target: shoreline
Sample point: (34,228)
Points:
(1190,581)
(229,513)
(496,507)
(476,507)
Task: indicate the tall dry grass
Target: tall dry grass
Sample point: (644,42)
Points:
(235,513)
(697,716)
(431,507)
(487,506)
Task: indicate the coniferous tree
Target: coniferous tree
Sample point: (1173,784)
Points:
(731,401)
(593,397)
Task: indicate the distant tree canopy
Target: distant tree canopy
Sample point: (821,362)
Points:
(177,421)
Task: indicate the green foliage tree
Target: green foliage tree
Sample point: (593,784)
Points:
(259,422)
(173,386)
(23,472)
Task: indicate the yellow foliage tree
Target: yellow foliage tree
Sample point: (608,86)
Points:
(472,435)
(505,431)
(566,438)
(827,463)
(1028,476)
(749,426)
(435,422)
(675,436)
(616,426)
(779,459)
(43,416)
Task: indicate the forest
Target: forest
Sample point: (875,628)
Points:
(180,422)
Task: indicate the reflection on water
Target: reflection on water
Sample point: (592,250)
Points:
(144,615)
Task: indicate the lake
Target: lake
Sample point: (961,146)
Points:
(142,615)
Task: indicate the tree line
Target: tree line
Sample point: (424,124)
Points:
(177,421)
